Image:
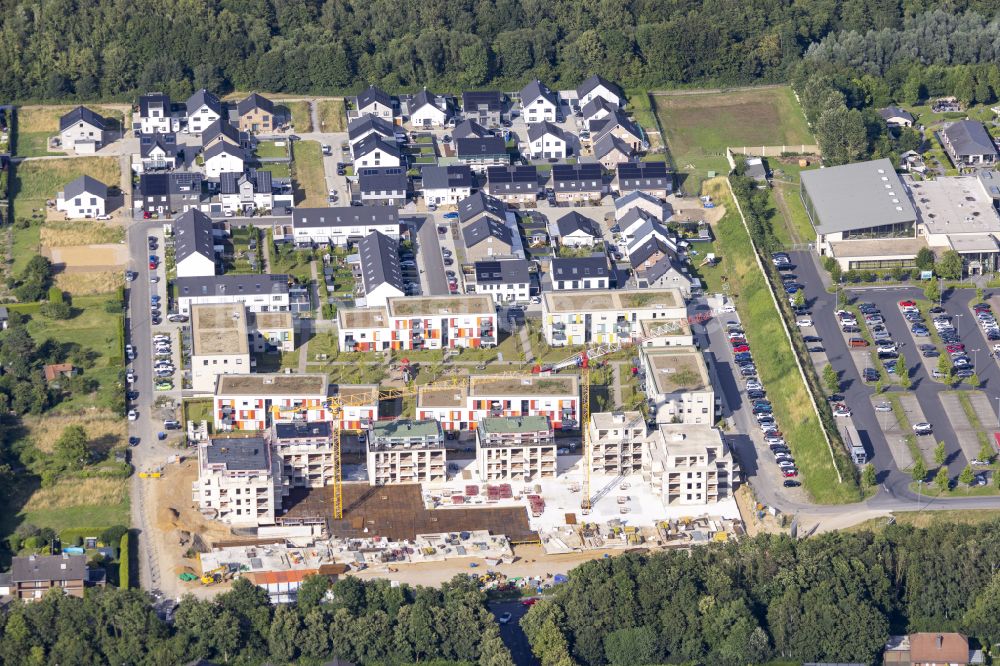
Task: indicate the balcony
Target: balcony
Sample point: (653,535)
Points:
(623,327)
(558,336)
(559,326)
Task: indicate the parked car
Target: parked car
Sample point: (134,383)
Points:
(133,415)
(883,407)
(804,322)
(923,428)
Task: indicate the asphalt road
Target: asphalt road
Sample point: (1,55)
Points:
(512,634)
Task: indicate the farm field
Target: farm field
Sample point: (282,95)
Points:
(698,127)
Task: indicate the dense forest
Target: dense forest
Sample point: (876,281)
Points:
(89,49)
(833,598)
(364,623)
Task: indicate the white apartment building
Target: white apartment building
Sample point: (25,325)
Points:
(689,465)
(515,448)
(274,330)
(590,316)
(259,293)
(240,481)
(462,407)
(406,451)
(306,452)
(343,226)
(252,402)
(668,333)
(219,344)
(678,387)
(429,322)
(616,442)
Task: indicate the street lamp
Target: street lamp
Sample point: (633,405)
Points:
(958,325)
(998,412)
(919,484)
(974,352)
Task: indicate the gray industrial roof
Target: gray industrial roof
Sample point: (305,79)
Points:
(238,454)
(857,196)
(379,258)
(193,235)
(48,567)
(85,184)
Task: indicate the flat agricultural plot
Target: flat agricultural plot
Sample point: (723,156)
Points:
(310,179)
(36,181)
(63,233)
(332,115)
(90,283)
(699,127)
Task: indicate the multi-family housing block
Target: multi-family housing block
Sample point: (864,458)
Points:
(342,226)
(429,322)
(586,317)
(219,344)
(616,442)
(689,465)
(515,448)
(678,387)
(406,451)
(461,407)
(240,480)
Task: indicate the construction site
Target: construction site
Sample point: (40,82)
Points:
(310,476)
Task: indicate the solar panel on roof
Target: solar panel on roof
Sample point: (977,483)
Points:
(642,170)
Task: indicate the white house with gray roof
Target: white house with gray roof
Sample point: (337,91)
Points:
(576,230)
(342,225)
(203,109)
(378,264)
(375,102)
(367,125)
(546,141)
(428,110)
(194,245)
(82,198)
(969,144)
(538,103)
(470,129)
(580,273)
(374,151)
(507,281)
(223,157)
(446,185)
(597,87)
(642,201)
(896,117)
(82,130)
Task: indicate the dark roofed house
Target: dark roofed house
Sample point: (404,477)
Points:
(374,151)
(580,273)
(486,239)
(611,151)
(158,151)
(379,270)
(446,185)
(577,182)
(513,184)
(155,113)
(82,130)
(479,205)
(203,108)
(167,193)
(360,128)
(486,107)
(470,129)
(621,126)
(538,103)
(342,225)
(576,230)
(969,144)
(254,189)
(384,186)
(482,153)
(32,576)
(83,197)
(256,115)
(259,293)
(896,117)
(598,87)
(650,177)
(507,281)
(194,245)
(428,110)
(546,141)
(374,101)
(222,130)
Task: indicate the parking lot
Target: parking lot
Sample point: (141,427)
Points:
(927,398)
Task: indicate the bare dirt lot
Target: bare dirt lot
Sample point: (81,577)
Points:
(87,258)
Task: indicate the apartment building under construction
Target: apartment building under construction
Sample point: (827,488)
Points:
(515,448)
(406,451)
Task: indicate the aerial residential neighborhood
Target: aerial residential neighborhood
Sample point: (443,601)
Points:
(283,342)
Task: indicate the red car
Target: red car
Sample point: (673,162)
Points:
(738,342)
(741,348)
(152,265)
(955,348)
(906,304)
(529,602)
(982,310)
(789,472)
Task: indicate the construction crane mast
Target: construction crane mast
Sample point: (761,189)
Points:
(582,360)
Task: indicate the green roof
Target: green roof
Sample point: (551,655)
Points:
(514,424)
(406,429)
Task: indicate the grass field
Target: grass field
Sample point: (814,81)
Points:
(35,124)
(310,179)
(38,180)
(332,115)
(27,243)
(270,149)
(277,169)
(79,502)
(104,429)
(79,232)
(929,518)
(90,284)
(301,118)
(775,359)
(699,127)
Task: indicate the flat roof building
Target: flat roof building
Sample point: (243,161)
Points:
(240,481)
(515,448)
(957,213)
(252,402)
(406,451)
(689,465)
(591,316)
(617,440)
(463,406)
(426,322)
(859,203)
(219,344)
(678,387)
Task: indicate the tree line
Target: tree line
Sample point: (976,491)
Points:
(105,49)
(831,598)
(360,622)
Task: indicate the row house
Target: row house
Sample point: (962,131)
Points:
(463,407)
(578,183)
(593,317)
(344,225)
(513,184)
(430,322)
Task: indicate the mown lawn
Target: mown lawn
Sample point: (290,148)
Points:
(699,127)
(271,150)
(310,179)
(774,357)
(36,181)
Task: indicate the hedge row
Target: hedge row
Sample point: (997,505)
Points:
(124,556)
